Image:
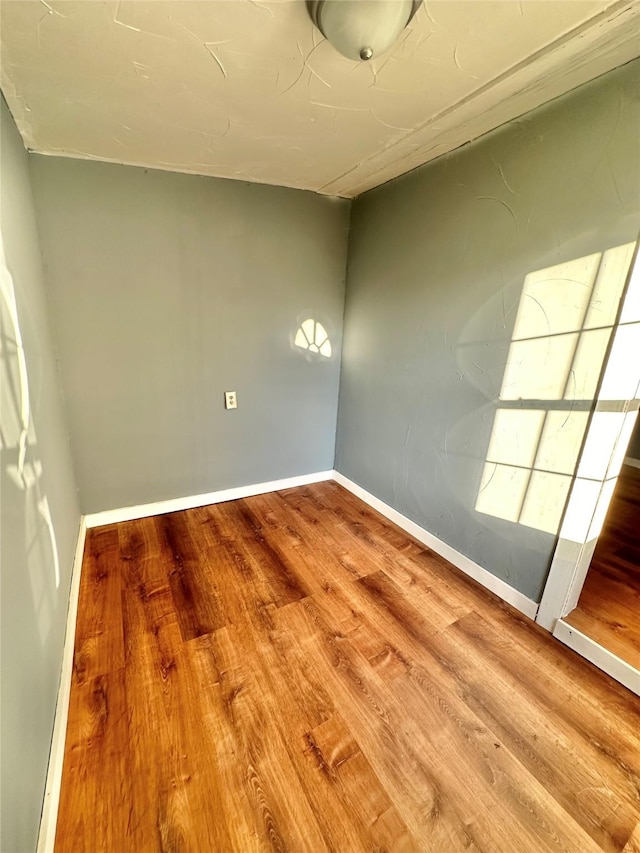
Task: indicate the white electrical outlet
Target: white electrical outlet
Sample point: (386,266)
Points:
(230,400)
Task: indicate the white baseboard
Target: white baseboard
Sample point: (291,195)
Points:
(129,513)
(634,463)
(605,660)
(49,818)
(499,587)
(491,582)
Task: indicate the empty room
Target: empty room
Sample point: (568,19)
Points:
(320,375)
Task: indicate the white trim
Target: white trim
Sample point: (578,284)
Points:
(605,660)
(569,567)
(482,576)
(49,818)
(634,463)
(129,513)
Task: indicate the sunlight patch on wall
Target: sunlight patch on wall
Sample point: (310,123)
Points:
(19,452)
(313,337)
(564,323)
(12,350)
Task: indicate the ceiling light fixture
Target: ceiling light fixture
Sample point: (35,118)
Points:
(362,29)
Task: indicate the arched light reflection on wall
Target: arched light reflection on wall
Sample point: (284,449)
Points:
(313,337)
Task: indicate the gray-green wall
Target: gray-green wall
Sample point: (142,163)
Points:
(437,261)
(167,290)
(39,514)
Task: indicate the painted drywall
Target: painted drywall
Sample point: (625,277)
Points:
(166,291)
(39,513)
(437,266)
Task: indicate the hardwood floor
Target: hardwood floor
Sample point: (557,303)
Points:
(609,607)
(291,672)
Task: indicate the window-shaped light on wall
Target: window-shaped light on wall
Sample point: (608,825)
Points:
(313,337)
(566,318)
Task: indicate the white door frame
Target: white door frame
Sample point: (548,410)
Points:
(600,462)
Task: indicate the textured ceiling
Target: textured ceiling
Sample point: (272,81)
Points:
(250,90)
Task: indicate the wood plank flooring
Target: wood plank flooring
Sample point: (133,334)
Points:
(609,607)
(291,672)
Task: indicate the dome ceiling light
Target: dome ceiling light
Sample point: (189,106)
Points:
(362,29)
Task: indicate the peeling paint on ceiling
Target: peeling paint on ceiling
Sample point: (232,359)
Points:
(249,89)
